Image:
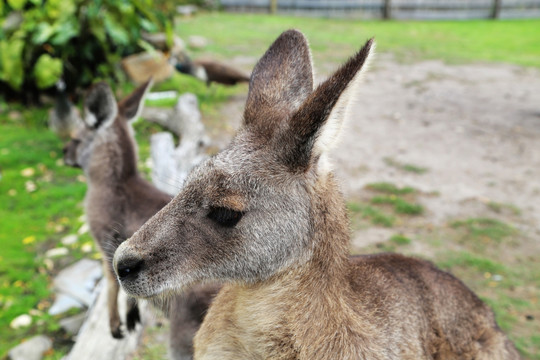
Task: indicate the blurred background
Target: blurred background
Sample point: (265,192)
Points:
(440,158)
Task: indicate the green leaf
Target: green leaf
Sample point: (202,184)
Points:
(56,9)
(11,65)
(115,30)
(16,4)
(146,46)
(47,71)
(65,32)
(43,32)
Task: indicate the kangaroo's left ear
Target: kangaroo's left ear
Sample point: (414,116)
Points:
(131,106)
(315,126)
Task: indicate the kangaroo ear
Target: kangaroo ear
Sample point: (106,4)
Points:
(131,106)
(100,107)
(314,127)
(280,82)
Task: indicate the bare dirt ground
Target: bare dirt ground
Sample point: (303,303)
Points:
(473,131)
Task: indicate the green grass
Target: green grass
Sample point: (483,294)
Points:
(400,239)
(209,97)
(471,261)
(509,41)
(31,221)
(400,205)
(389,188)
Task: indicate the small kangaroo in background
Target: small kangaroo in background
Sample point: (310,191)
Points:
(266,217)
(119,201)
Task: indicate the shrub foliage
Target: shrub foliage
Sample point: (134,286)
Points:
(79,40)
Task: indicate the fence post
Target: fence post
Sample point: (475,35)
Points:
(273,6)
(387,10)
(496,9)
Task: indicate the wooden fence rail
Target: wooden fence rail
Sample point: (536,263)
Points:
(394,9)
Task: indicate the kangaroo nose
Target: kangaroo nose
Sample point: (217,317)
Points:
(129,267)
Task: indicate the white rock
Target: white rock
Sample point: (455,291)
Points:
(62,251)
(83,229)
(69,239)
(20,321)
(87,247)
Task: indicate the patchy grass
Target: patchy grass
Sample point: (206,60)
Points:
(485,228)
(389,188)
(400,205)
(509,290)
(501,208)
(400,239)
(375,216)
(405,167)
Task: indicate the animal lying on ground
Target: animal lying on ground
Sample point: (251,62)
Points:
(209,71)
(119,201)
(266,217)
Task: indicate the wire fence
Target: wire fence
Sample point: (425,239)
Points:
(394,9)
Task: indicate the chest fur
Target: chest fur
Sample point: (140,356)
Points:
(259,325)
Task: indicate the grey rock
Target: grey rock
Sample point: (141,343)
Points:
(171,166)
(164,171)
(73,324)
(79,280)
(186,10)
(32,349)
(94,340)
(63,303)
(197,42)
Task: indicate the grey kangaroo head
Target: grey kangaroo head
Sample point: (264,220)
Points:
(246,214)
(105,122)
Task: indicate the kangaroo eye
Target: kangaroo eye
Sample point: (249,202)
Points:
(225,217)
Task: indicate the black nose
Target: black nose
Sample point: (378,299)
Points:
(129,267)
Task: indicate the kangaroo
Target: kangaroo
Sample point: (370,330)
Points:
(119,201)
(266,217)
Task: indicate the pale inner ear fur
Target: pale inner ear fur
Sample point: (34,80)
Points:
(330,132)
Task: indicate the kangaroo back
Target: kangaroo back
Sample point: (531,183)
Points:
(266,216)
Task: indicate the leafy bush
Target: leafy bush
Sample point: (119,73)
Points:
(79,40)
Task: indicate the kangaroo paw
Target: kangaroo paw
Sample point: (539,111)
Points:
(117,333)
